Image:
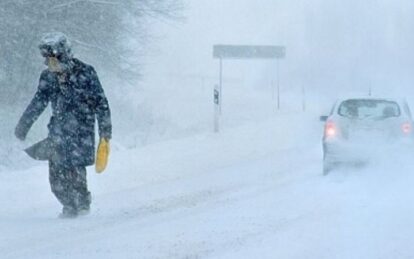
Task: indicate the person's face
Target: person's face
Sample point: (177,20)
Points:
(53,64)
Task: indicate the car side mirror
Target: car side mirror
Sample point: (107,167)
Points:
(323,118)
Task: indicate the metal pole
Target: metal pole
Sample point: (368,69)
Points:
(303,98)
(277,84)
(216,108)
(203,83)
(221,84)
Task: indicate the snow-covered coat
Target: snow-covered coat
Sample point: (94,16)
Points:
(76,102)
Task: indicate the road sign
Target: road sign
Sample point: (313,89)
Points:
(248,52)
(216,108)
(223,52)
(216,97)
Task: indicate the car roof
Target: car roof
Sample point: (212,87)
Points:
(391,99)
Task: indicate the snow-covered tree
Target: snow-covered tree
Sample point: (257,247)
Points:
(100,30)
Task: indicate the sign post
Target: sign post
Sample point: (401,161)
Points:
(222,52)
(278,84)
(303,98)
(221,83)
(216,108)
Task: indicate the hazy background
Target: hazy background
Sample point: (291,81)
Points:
(333,48)
(331,45)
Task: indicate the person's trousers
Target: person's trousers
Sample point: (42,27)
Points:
(69,185)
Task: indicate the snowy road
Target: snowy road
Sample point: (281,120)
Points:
(251,192)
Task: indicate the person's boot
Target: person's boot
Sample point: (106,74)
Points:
(68,212)
(83,210)
(84,205)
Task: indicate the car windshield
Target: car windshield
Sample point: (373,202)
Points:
(372,109)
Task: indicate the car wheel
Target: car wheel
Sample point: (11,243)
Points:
(327,167)
(328,164)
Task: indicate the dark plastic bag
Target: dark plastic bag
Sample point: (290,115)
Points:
(42,150)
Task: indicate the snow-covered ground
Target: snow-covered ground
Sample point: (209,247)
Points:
(252,191)
(174,189)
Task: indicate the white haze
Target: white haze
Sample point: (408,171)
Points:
(175,189)
(333,47)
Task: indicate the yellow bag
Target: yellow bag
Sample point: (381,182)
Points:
(102,155)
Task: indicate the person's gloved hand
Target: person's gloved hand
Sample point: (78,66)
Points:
(102,155)
(20,133)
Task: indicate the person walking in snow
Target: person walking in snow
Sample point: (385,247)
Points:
(77,98)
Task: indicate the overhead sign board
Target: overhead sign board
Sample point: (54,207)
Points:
(248,52)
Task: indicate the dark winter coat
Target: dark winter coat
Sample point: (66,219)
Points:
(76,102)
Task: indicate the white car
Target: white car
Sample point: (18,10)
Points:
(358,128)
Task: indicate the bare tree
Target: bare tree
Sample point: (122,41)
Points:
(99,30)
